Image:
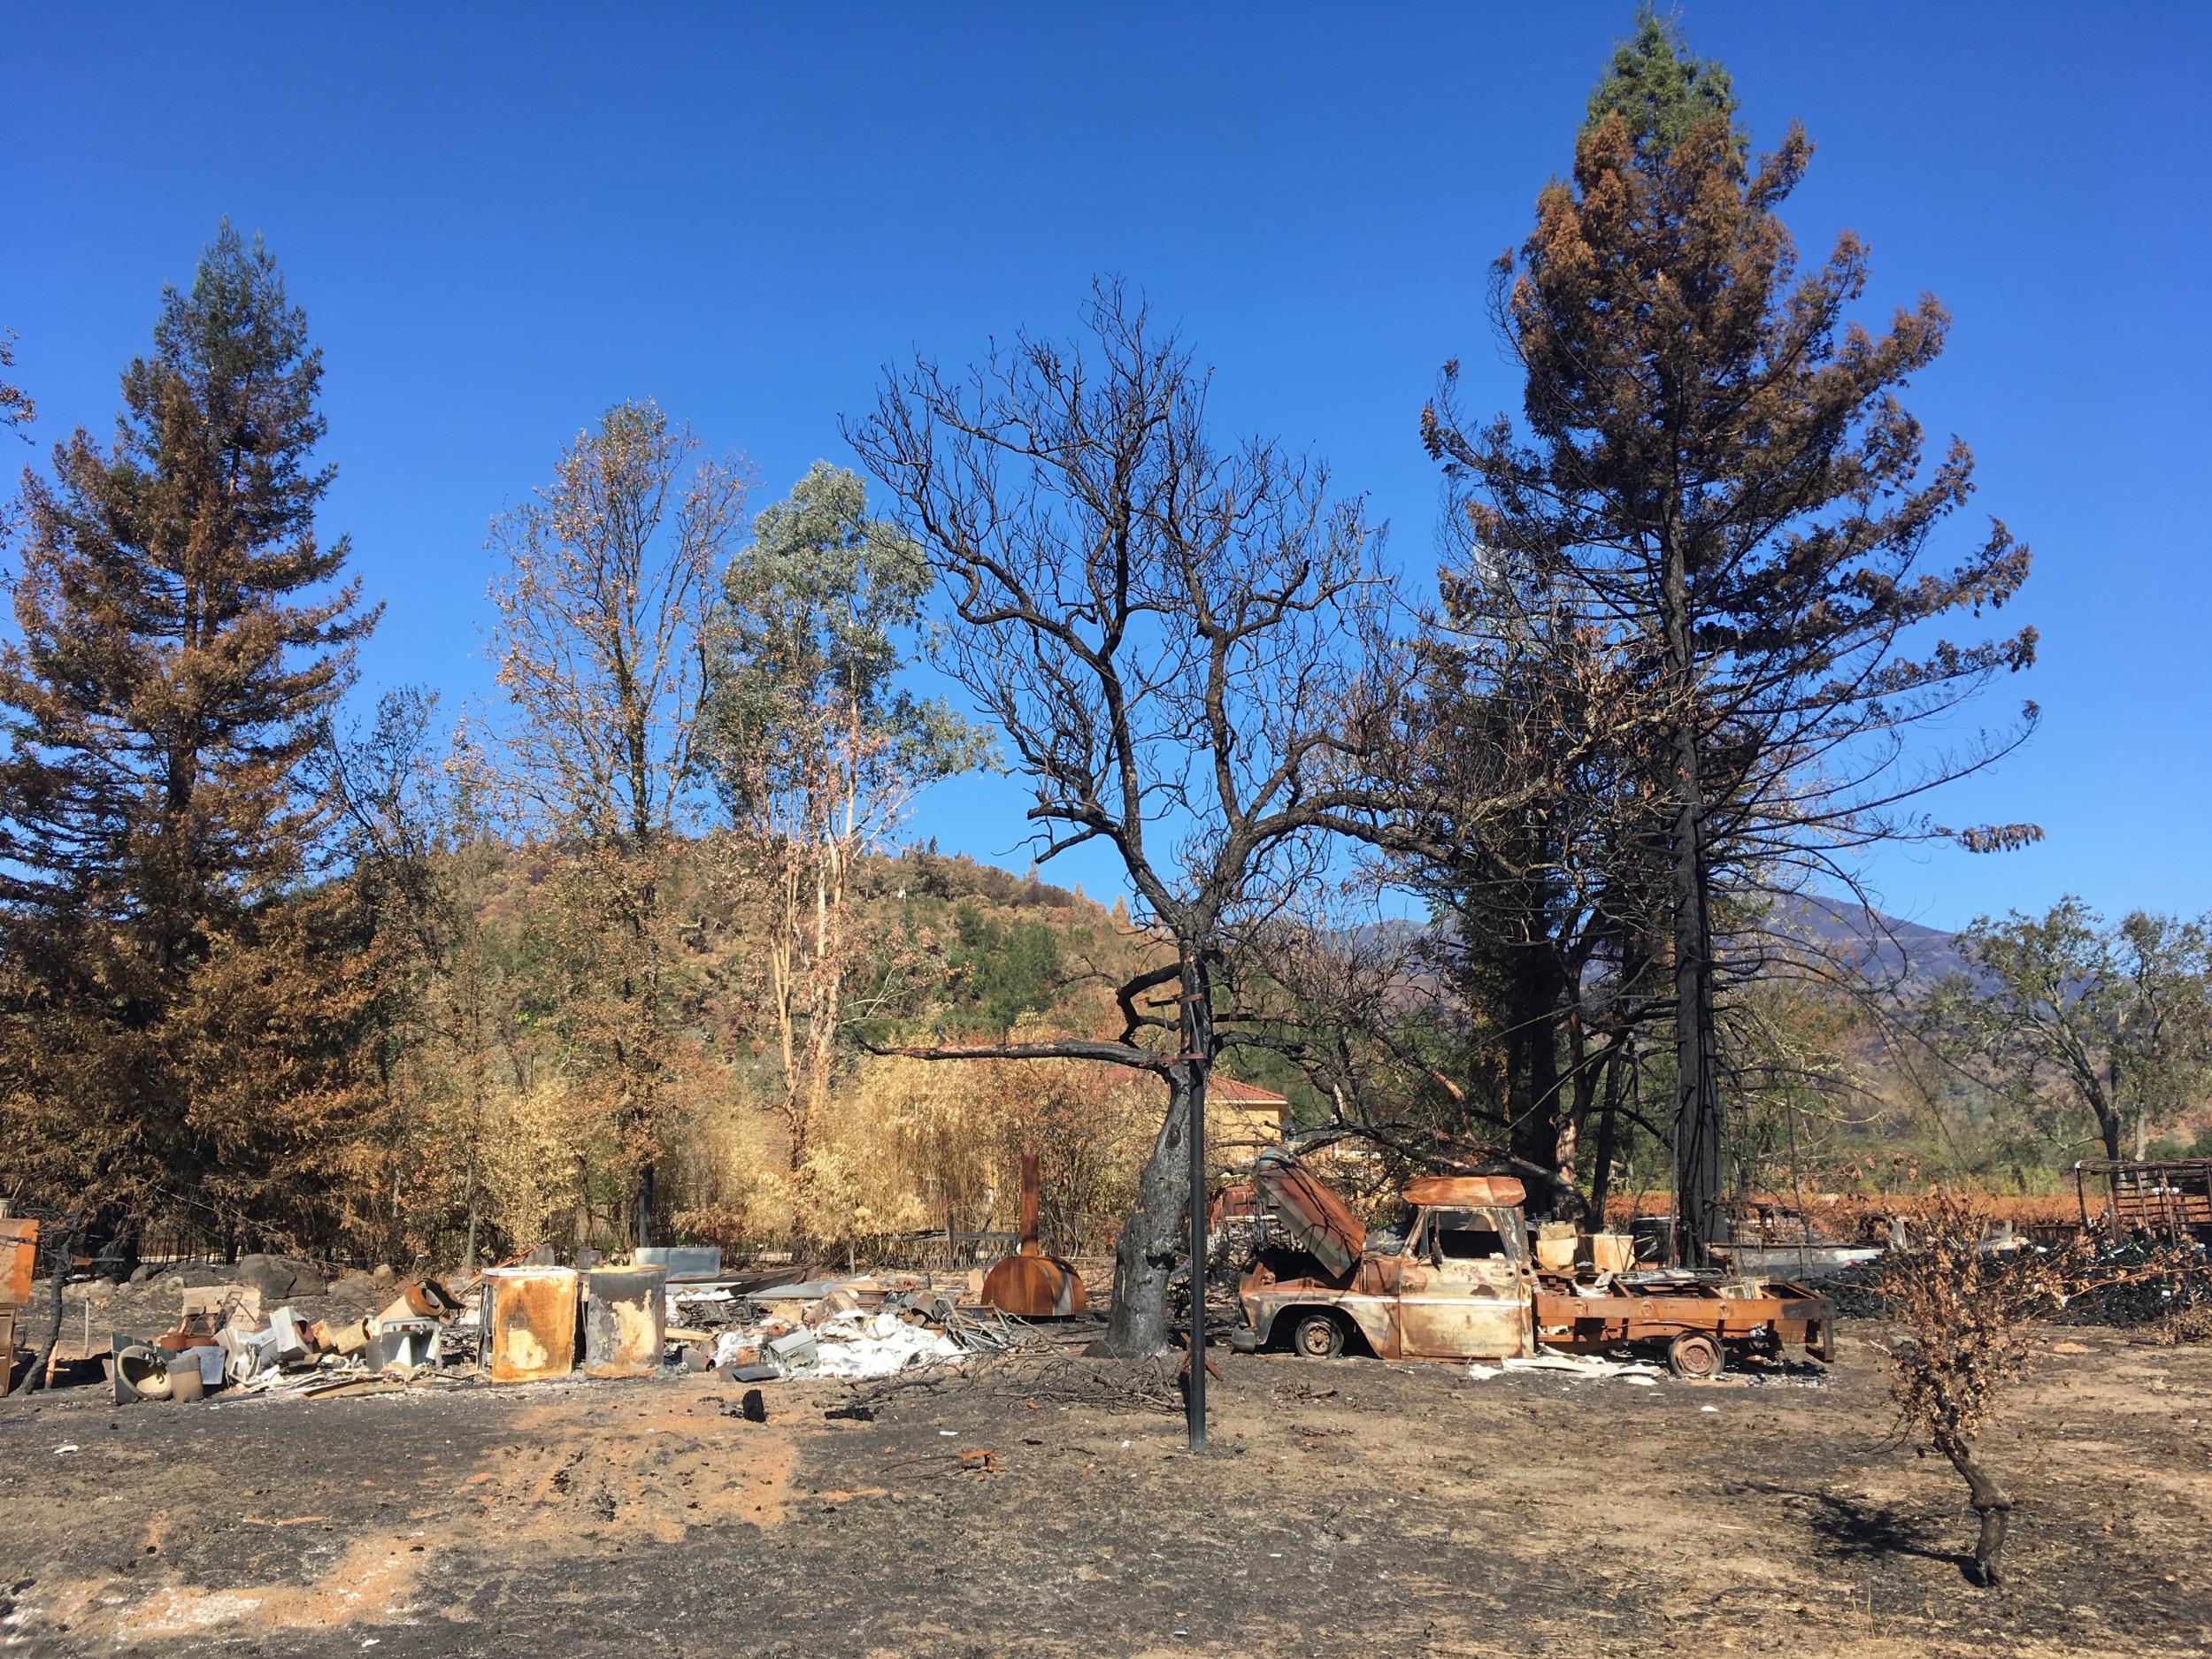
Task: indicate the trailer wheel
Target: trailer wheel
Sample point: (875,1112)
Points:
(1317,1336)
(1696,1356)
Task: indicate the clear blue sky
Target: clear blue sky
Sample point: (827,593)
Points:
(500,219)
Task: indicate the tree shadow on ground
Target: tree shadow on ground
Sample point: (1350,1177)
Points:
(1853,1529)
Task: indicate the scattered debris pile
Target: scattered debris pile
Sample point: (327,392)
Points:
(856,1327)
(268,1326)
(223,1339)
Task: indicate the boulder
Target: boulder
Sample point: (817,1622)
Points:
(277,1277)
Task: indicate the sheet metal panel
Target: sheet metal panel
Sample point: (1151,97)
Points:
(529,1323)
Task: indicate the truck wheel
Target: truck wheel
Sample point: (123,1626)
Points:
(1317,1336)
(1696,1356)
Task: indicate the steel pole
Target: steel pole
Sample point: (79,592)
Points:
(1195,1396)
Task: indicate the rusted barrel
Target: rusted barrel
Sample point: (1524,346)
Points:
(626,1318)
(529,1323)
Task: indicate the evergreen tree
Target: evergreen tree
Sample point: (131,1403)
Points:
(179,648)
(1717,472)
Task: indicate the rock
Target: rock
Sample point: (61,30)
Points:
(277,1277)
(384,1273)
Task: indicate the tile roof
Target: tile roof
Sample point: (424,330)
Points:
(1228,1091)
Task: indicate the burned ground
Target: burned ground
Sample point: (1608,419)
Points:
(1347,1506)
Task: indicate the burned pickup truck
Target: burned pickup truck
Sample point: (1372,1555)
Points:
(1459,1281)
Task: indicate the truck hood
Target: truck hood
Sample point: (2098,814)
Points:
(1317,1219)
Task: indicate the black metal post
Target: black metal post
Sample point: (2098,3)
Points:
(1195,1396)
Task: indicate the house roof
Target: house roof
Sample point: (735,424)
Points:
(1227,1091)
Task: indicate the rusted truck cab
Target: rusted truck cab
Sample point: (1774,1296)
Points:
(1457,1284)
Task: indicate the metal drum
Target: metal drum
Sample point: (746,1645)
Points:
(1029,1284)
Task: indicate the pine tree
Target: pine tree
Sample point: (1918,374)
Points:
(179,648)
(1717,467)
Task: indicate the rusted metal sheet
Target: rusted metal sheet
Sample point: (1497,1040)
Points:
(626,1320)
(1029,1284)
(529,1323)
(1310,1210)
(1465,1192)
(19,1247)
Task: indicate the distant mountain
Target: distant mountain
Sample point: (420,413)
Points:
(1884,948)
(1887,949)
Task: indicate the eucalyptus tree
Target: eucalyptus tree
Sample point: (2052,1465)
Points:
(816,748)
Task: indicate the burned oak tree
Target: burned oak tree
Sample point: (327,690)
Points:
(1176,638)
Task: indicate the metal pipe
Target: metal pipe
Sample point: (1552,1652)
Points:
(1194,1397)
(1029,1244)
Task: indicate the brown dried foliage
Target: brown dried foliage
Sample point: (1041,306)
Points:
(1966,1316)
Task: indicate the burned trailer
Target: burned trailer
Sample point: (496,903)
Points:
(1459,1282)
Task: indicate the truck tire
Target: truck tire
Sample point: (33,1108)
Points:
(1696,1356)
(1317,1336)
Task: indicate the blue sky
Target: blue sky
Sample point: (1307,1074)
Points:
(500,219)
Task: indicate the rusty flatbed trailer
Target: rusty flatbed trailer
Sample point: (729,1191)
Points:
(1592,1319)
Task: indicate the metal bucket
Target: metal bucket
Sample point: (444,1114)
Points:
(626,1319)
(529,1323)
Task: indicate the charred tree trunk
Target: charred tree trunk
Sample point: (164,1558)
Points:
(1602,1155)
(65,1252)
(1172,1191)
(1153,1235)
(1697,1135)
(1532,1056)
(1991,1502)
